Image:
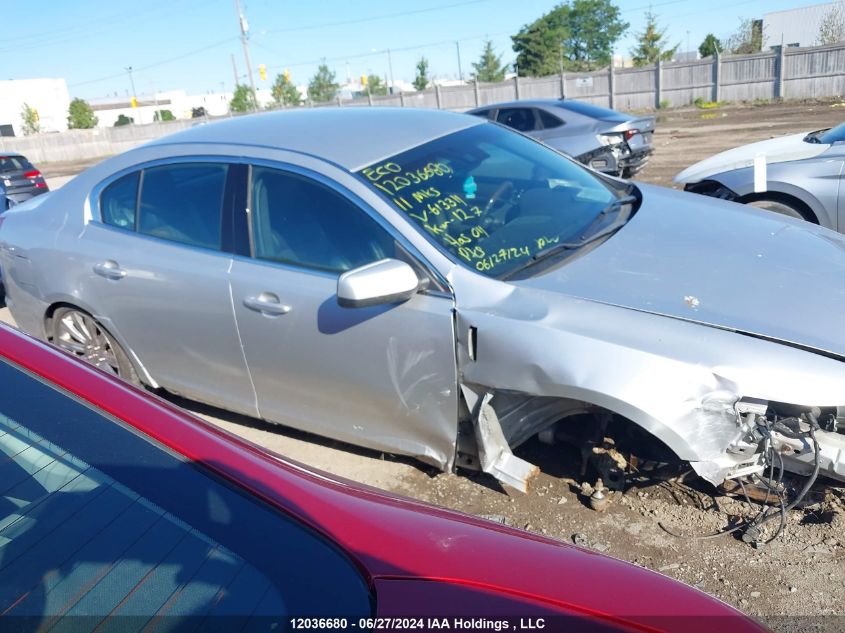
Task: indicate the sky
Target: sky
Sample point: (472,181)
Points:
(189,44)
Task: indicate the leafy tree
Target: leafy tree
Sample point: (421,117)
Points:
(198,112)
(163,115)
(710,46)
(375,86)
(421,80)
(80,115)
(30,119)
(578,33)
(243,100)
(122,119)
(322,86)
(651,44)
(489,68)
(832,26)
(748,38)
(284,92)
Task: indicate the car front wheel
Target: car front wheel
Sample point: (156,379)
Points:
(779,206)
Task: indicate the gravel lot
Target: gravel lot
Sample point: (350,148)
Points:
(801,574)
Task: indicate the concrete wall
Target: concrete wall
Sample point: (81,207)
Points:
(792,73)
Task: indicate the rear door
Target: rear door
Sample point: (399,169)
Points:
(382,376)
(156,271)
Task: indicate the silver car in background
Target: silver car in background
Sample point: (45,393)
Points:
(611,142)
(799,175)
(435,285)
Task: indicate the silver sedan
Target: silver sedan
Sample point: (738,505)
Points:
(799,175)
(432,284)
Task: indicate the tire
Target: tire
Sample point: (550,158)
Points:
(78,333)
(779,206)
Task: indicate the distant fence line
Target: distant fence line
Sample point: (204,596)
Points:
(787,73)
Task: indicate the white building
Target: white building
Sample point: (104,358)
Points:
(49,98)
(797,27)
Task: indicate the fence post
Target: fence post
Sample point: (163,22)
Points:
(562,84)
(437,96)
(516,87)
(611,84)
(401,99)
(339,102)
(717,77)
(475,83)
(370,98)
(781,72)
(658,83)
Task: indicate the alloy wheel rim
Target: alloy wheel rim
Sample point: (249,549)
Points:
(80,335)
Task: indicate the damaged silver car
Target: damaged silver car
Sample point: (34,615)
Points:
(432,284)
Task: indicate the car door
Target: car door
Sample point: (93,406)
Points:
(155,271)
(382,376)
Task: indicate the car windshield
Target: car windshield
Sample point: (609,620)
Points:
(492,199)
(594,111)
(827,137)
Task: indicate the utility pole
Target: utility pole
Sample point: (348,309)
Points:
(244,26)
(132,83)
(390,69)
(235,71)
(460,70)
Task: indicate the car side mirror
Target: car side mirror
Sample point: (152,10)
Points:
(384,281)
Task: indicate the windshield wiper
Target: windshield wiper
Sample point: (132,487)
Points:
(586,238)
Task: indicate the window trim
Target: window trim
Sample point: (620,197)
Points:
(227,225)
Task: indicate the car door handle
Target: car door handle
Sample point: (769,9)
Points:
(267,303)
(110,269)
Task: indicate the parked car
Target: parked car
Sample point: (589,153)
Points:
(799,175)
(608,141)
(118,505)
(19,180)
(433,284)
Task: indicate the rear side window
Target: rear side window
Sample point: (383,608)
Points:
(118,202)
(521,119)
(99,521)
(549,121)
(298,221)
(183,203)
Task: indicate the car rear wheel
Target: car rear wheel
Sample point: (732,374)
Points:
(779,206)
(78,333)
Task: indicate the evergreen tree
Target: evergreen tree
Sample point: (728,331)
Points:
(489,67)
(421,80)
(322,86)
(710,46)
(651,44)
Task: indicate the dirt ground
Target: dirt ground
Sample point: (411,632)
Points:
(796,583)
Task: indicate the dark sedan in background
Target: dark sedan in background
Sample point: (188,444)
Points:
(19,180)
(608,141)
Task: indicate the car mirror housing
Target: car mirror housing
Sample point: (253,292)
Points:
(384,281)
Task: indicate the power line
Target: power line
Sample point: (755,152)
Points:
(384,16)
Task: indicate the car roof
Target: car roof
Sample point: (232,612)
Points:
(523,103)
(350,137)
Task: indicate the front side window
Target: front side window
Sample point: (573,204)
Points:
(298,221)
(99,521)
(183,203)
(491,199)
(119,200)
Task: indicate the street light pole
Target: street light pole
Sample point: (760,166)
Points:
(390,69)
(244,26)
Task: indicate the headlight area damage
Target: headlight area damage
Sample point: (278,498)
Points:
(631,410)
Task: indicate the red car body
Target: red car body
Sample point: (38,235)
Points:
(420,561)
